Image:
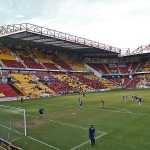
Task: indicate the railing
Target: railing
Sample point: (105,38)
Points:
(16,28)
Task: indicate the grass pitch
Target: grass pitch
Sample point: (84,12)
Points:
(119,125)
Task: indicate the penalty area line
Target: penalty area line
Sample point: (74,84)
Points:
(16,139)
(87,142)
(42,142)
(29,138)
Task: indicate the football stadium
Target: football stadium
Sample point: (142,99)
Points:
(59,91)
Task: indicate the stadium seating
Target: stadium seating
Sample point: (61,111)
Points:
(74,64)
(58,86)
(144,81)
(13,64)
(74,82)
(147,66)
(51,66)
(59,82)
(6,53)
(90,80)
(61,63)
(133,82)
(123,68)
(41,56)
(30,86)
(133,66)
(100,68)
(112,68)
(7,91)
(28,60)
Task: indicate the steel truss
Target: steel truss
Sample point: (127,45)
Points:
(142,49)
(64,39)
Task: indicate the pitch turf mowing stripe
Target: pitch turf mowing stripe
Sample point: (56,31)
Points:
(42,142)
(87,142)
(30,138)
(11,129)
(64,123)
(107,109)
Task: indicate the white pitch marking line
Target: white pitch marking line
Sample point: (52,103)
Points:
(11,129)
(16,139)
(65,123)
(86,142)
(43,143)
(31,138)
(122,110)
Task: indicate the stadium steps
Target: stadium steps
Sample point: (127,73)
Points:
(106,68)
(2,64)
(8,91)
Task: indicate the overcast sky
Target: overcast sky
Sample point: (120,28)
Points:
(119,23)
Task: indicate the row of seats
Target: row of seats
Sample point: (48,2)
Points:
(74,64)
(12,63)
(36,59)
(6,54)
(144,81)
(28,60)
(30,86)
(147,66)
(7,91)
(121,68)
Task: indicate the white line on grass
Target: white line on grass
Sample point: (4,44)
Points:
(64,123)
(116,111)
(30,138)
(124,112)
(87,142)
(11,129)
(16,139)
(42,143)
(122,109)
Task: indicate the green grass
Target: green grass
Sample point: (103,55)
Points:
(65,126)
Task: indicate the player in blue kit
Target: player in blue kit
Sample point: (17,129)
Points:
(92,135)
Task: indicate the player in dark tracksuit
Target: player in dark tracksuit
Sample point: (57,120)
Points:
(92,134)
(102,103)
(41,111)
(21,100)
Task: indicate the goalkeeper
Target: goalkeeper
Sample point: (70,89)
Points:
(41,111)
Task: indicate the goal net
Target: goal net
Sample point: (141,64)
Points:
(12,123)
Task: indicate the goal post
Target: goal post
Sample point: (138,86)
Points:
(12,122)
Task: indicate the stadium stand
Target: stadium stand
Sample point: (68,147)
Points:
(99,67)
(30,85)
(144,81)
(64,67)
(74,82)
(28,60)
(147,66)
(7,91)
(13,64)
(74,64)
(6,54)
(123,68)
